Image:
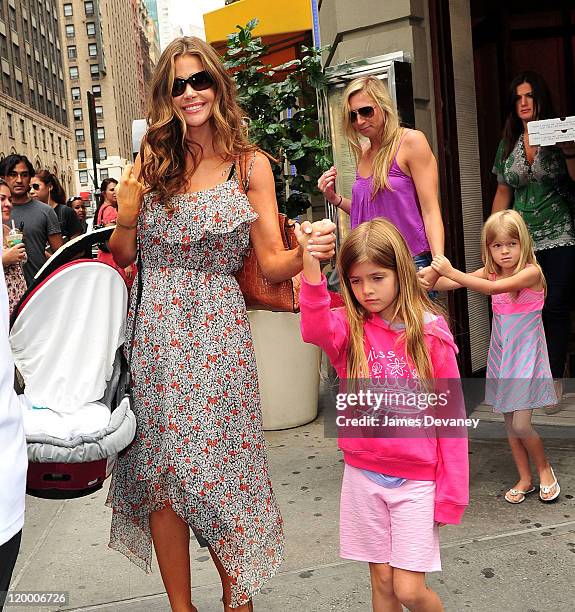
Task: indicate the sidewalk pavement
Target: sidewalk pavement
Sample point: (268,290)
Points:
(517,558)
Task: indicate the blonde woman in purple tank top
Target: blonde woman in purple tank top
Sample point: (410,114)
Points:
(396,172)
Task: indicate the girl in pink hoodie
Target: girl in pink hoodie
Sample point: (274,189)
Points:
(396,491)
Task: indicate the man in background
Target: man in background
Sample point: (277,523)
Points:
(36,220)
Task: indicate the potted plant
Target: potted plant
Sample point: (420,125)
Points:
(281,106)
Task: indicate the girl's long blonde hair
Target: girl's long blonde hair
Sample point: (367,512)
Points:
(379,242)
(510,223)
(165,148)
(390,132)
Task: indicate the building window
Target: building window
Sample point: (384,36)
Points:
(79,133)
(67,150)
(77,112)
(19,91)
(22,130)
(83,175)
(95,70)
(82,155)
(103,153)
(68,12)
(70,33)
(10,125)
(6,83)
(52,142)
(89,8)
(3,46)
(35,135)
(16,55)
(91,28)
(97,91)
(93,50)
(99,112)
(104,173)
(60,145)
(74,73)
(12,16)
(76,94)
(72,52)
(101,133)
(44,140)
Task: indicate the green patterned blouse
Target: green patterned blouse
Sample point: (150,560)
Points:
(542,193)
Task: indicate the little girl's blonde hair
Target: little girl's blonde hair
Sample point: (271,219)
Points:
(511,224)
(379,242)
(390,132)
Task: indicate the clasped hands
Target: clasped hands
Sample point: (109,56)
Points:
(317,239)
(440,266)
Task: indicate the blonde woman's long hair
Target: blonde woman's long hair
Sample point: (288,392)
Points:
(379,242)
(511,224)
(165,148)
(390,132)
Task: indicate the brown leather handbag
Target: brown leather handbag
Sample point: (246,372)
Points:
(258,291)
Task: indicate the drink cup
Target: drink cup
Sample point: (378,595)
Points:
(14,237)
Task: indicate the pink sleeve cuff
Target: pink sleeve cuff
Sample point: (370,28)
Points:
(314,293)
(450,514)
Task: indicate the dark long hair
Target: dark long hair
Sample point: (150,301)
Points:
(8,163)
(102,197)
(542,107)
(57,193)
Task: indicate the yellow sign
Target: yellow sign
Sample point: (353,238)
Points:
(274,18)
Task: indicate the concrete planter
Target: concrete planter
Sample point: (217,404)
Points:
(288,369)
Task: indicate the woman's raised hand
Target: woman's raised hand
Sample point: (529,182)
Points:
(326,184)
(129,194)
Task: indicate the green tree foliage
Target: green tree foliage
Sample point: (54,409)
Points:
(281,105)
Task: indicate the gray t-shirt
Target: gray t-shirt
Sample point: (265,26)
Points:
(37,221)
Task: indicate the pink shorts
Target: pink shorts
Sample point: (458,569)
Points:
(394,526)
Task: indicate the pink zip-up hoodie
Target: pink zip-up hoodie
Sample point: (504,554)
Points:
(443,459)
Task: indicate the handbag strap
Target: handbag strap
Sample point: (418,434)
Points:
(139,274)
(241,162)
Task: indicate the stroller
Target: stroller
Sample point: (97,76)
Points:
(66,335)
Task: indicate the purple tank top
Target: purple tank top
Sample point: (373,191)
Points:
(400,206)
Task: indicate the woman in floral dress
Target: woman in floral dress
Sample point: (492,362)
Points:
(538,183)
(199,457)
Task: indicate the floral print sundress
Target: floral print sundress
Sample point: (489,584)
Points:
(199,444)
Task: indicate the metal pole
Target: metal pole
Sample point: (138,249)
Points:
(93,136)
(315,21)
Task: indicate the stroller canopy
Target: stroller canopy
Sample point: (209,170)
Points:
(65,335)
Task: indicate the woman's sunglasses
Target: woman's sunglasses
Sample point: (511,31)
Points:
(366,112)
(198,82)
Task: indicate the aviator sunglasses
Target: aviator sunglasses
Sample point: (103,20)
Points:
(198,82)
(366,112)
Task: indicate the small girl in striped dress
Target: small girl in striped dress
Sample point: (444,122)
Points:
(518,373)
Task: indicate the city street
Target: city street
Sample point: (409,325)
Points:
(518,558)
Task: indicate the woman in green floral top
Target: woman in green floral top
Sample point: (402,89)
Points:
(538,183)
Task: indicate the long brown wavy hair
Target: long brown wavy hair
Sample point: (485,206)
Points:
(380,243)
(165,148)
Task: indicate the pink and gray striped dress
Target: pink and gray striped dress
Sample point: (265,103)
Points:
(518,372)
